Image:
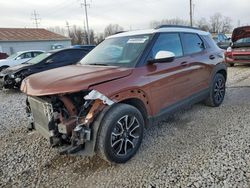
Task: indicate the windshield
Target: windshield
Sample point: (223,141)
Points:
(39,58)
(12,56)
(119,51)
(243,40)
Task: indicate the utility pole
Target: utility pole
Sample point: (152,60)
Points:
(68,27)
(238,23)
(86,5)
(193,17)
(191,12)
(35,17)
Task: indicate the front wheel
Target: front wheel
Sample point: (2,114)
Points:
(120,134)
(217,91)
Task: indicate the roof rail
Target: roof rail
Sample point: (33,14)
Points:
(118,32)
(179,26)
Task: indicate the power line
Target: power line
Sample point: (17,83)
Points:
(86,6)
(35,17)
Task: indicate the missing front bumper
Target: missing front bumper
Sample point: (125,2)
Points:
(74,135)
(42,118)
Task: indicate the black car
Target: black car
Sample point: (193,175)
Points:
(12,77)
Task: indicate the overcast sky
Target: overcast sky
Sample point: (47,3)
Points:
(135,14)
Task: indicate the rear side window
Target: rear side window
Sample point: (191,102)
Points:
(209,41)
(168,42)
(192,43)
(76,54)
(36,54)
(58,57)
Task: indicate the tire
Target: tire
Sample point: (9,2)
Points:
(231,64)
(118,141)
(217,91)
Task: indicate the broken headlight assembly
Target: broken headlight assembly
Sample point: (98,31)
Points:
(66,119)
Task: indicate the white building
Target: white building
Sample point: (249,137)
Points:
(13,40)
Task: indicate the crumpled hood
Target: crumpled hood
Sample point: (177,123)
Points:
(15,69)
(70,79)
(240,32)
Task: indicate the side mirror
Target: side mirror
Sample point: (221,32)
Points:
(49,61)
(162,57)
(18,58)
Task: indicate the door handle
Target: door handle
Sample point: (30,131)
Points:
(184,63)
(211,57)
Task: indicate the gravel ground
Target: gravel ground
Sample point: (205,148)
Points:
(199,147)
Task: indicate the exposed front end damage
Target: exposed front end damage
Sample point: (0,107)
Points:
(66,120)
(10,80)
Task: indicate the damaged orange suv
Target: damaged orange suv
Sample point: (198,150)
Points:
(127,83)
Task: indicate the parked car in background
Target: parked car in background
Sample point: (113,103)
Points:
(3,55)
(13,76)
(86,47)
(19,58)
(222,40)
(126,83)
(239,51)
(57,46)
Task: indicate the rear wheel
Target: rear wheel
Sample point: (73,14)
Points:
(217,91)
(120,134)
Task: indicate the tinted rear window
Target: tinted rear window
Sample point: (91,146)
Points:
(209,41)
(192,43)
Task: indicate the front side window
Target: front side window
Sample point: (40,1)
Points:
(168,42)
(39,58)
(13,56)
(118,51)
(26,55)
(192,43)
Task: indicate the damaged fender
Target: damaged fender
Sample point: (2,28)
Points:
(93,95)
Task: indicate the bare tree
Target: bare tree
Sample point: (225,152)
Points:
(76,35)
(79,36)
(216,23)
(58,30)
(174,21)
(112,29)
(220,23)
(99,38)
(226,25)
(92,36)
(203,24)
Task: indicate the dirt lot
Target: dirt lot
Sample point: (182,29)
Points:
(199,147)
